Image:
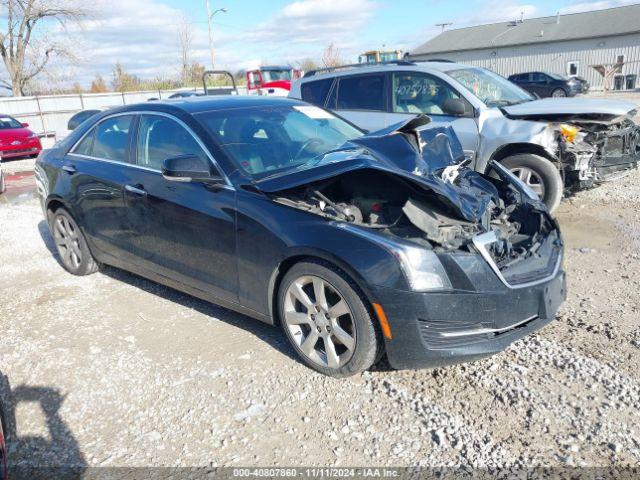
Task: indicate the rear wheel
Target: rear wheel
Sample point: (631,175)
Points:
(539,174)
(327,321)
(71,244)
(558,92)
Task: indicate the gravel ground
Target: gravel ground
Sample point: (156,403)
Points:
(114,370)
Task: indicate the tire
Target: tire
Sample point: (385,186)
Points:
(353,353)
(71,245)
(542,171)
(558,93)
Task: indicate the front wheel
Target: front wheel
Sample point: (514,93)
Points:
(327,321)
(71,244)
(539,174)
(558,93)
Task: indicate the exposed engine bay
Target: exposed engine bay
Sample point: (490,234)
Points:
(397,207)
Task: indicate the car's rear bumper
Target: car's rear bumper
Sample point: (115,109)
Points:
(437,329)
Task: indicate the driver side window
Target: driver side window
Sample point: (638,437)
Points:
(160,138)
(420,93)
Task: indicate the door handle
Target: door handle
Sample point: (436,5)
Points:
(70,169)
(136,190)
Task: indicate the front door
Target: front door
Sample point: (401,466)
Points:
(184,231)
(414,92)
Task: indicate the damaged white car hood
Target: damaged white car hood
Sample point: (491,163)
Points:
(571,106)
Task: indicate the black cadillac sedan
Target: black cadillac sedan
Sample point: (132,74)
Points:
(357,244)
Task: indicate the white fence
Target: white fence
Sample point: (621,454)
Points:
(48,115)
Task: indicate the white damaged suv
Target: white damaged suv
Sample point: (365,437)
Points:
(553,145)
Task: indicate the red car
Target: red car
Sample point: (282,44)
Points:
(16,140)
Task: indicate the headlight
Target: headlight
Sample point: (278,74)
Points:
(423,269)
(568,132)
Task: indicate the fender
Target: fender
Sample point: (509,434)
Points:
(297,254)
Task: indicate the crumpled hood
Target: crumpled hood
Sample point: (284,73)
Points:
(411,151)
(584,107)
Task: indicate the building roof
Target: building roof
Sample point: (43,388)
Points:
(599,23)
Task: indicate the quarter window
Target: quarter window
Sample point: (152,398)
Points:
(420,93)
(108,140)
(363,92)
(160,138)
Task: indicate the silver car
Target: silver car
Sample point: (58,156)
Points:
(553,145)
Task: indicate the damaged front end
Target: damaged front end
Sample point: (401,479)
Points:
(412,187)
(599,150)
(593,146)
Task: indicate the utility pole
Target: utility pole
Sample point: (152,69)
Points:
(209,19)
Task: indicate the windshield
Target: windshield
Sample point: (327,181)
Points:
(7,123)
(492,89)
(275,75)
(263,141)
(388,56)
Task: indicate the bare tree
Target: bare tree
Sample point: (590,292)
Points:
(331,57)
(25,47)
(307,64)
(98,85)
(185,40)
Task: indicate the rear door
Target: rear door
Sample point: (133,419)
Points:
(98,167)
(540,84)
(413,93)
(183,231)
(361,99)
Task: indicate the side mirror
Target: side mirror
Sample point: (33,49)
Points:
(454,107)
(72,124)
(25,125)
(189,168)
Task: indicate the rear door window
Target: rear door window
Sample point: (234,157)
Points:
(109,140)
(538,77)
(160,138)
(362,92)
(316,92)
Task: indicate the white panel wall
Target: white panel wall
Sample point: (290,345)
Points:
(48,115)
(554,57)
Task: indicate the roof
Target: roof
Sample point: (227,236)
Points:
(194,105)
(599,23)
(380,67)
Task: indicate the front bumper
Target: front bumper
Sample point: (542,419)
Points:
(27,148)
(19,153)
(438,329)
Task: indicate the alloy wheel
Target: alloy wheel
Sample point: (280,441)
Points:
(67,241)
(558,93)
(531,179)
(320,321)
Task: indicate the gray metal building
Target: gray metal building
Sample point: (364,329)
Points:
(563,44)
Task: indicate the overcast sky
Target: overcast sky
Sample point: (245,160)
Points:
(142,34)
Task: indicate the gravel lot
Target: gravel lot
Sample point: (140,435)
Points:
(114,370)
